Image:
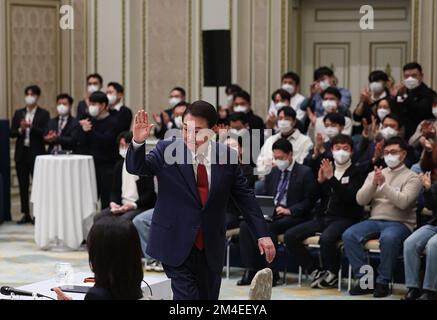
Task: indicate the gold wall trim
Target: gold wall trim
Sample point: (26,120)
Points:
(96,35)
(269,51)
(403,45)
(318,10)
(144,56)
(345,46)
(190,51)
(123,41)
(415,28)
(284,35)
(201,67)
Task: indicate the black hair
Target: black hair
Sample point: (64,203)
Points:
(332,90)
(180,89)
(336,118)
(65,96)
(292,75)
(343,139)
(34,89)
(127,136)
(233,89)
(288,112)
(284,95)
(238,116)
(413,65)
(115,257)
(394,117)
(378,75)
(284,145)
(99,97)
(244,95)
(397,141)
(203,109)
(95,75)
(321,72)
(118,87)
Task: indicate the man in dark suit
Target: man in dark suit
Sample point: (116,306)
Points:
(196,180)
(122,114)
(28,126)
(61,133)
(290,184)
(94,84)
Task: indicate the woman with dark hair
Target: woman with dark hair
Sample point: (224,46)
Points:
(115,258)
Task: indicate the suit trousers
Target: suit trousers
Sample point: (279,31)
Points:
(104,175)
(24,168)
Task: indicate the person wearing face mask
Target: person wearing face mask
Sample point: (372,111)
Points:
(28,127)
(290,184)
(163,120)
(426,129)
(302,144)
(94,83)
(336,188)
(175,122)
(392,194)
(62,131)
(130,195)
(369,100)
(413,99)
(323,79)
(122,114)
(242,103)
(231,90)
(97,138)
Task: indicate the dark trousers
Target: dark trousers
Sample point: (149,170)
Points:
(104,174)
(194,280)
(232,221)
(24,168)
(249,252)
(130,215)
(331,229)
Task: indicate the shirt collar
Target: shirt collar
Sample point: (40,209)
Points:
(203,153)
(33,111)
(118,106)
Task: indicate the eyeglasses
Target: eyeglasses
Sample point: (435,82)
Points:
(392,152)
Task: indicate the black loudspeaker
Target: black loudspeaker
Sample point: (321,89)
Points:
(217,63)
(5,173)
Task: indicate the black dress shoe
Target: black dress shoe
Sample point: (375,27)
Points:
(247,278)
(412,294)
(358,291)
(428,295)
(381,290)
(25,220)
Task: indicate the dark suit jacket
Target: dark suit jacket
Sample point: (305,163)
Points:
(37,131)
(145,187)
(100,294)
(69,136)
(299,189)
(179,213)
(123,117)
(82,110)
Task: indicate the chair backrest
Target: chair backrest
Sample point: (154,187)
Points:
(261,287)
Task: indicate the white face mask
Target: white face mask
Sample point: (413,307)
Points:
(325,84)
(112,98)
(63,110)
(282,164)
(411,83)
(173,102)
(434,111)
(329,105)
(341,156)
(92,89)
(123,152)
(392,161)
(376,87)
(289,88)
(285,126)
(178,122)
(30,100)
(243,109)
(332,132)
(388,133)
(382,113)
(94,111)
(237,132)
(280,105)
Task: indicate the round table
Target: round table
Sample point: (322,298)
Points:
(64,195)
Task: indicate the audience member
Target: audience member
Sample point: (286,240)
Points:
(122,114)
(177,95)
(94,84)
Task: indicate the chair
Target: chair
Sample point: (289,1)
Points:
(261,287)
(229,235)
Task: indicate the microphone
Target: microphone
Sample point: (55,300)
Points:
(7,291)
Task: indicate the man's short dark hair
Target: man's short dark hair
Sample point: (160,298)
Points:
(284,95)
(397,141)
(378,75)
(336,118)
(233,89)
(332,90)
(394,117)
(244,95)
(238,116)
(34,89)
(96,76)
(127,136)
(181,90)
(205,110)
(118,87)
(343,139)
(99,97)
(413,65)
(284,145)
(65,96)
(321,72)
(293,76)
(288,112)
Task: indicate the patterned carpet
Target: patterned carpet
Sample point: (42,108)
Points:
(22,263)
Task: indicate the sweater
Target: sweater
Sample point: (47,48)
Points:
(396,199)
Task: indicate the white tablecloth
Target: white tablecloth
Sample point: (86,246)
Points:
(64,195)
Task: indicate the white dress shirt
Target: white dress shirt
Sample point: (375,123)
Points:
(30,115)
(129,189)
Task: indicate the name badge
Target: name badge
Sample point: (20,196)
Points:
(345,180)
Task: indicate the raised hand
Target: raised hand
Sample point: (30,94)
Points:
(426,180)
(328,169)
(321,177)
(142,128)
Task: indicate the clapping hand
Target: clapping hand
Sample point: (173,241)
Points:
(426,144)
(86,125)
(51,137)
(327,168)
(426,180)
(142,128)
(378,179)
